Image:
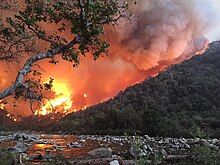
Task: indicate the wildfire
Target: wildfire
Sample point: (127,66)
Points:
(1,106)
(60,103)
(12,117)
(204,49)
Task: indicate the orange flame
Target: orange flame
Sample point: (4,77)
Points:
(61,103)
(12,117)
(2,105)
(204,49)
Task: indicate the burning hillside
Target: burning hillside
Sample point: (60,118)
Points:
(60,102)
(160,33)
(170,104)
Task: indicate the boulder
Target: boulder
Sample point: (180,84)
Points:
(101,161)
(20,136)
(18,148)
(43,157)
(215,141)
(100,153)
(114,162)
(75,145)
(23,137)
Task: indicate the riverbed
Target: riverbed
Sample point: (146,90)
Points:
(39,148)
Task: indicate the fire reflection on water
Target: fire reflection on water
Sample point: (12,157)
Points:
(57,144)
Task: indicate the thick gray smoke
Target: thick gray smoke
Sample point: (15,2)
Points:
(163,32)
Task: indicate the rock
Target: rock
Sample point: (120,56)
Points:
(43,157)
(12,149)
(24,156)
(129,162)
(133,152)
(145,147)
(56,148)
(184,140)
(215,141)
(101,161)
(22,137)
(203,142)
(114,162)
(48,156)
(147,137)
(196,140)
(100,153)
(19,148)
(116,157)
(149,148)
(39,157)
(49,149)
(214,147)
(176,157)
(160,142)
(187,146)
(163,152)
(75,145)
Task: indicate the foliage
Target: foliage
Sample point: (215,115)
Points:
(142,157)
(204,155)
(197,132)
(171,104)
(84,19)
(7,158)
(84,22)
(182,99)
(59,159)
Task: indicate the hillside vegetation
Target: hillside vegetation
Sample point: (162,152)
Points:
(178,102)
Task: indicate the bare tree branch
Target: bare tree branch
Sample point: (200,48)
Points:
(28,66)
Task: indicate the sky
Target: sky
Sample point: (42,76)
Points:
(214,33)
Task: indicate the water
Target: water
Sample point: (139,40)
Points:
(54,145)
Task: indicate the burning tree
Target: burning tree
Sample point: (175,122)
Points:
(19,34)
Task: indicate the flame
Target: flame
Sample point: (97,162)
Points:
(204,49)
(1,105)
(12,117)
(61,103)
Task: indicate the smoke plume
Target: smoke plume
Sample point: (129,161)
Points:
(165,31)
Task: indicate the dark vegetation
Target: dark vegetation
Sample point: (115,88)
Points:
(5,122)
(183,97)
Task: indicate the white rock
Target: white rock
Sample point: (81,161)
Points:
(215,141)
(114,162)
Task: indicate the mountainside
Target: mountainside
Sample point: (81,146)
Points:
(184,97)
(5,121)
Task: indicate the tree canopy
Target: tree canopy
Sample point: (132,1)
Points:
(177,103)
(83,19)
